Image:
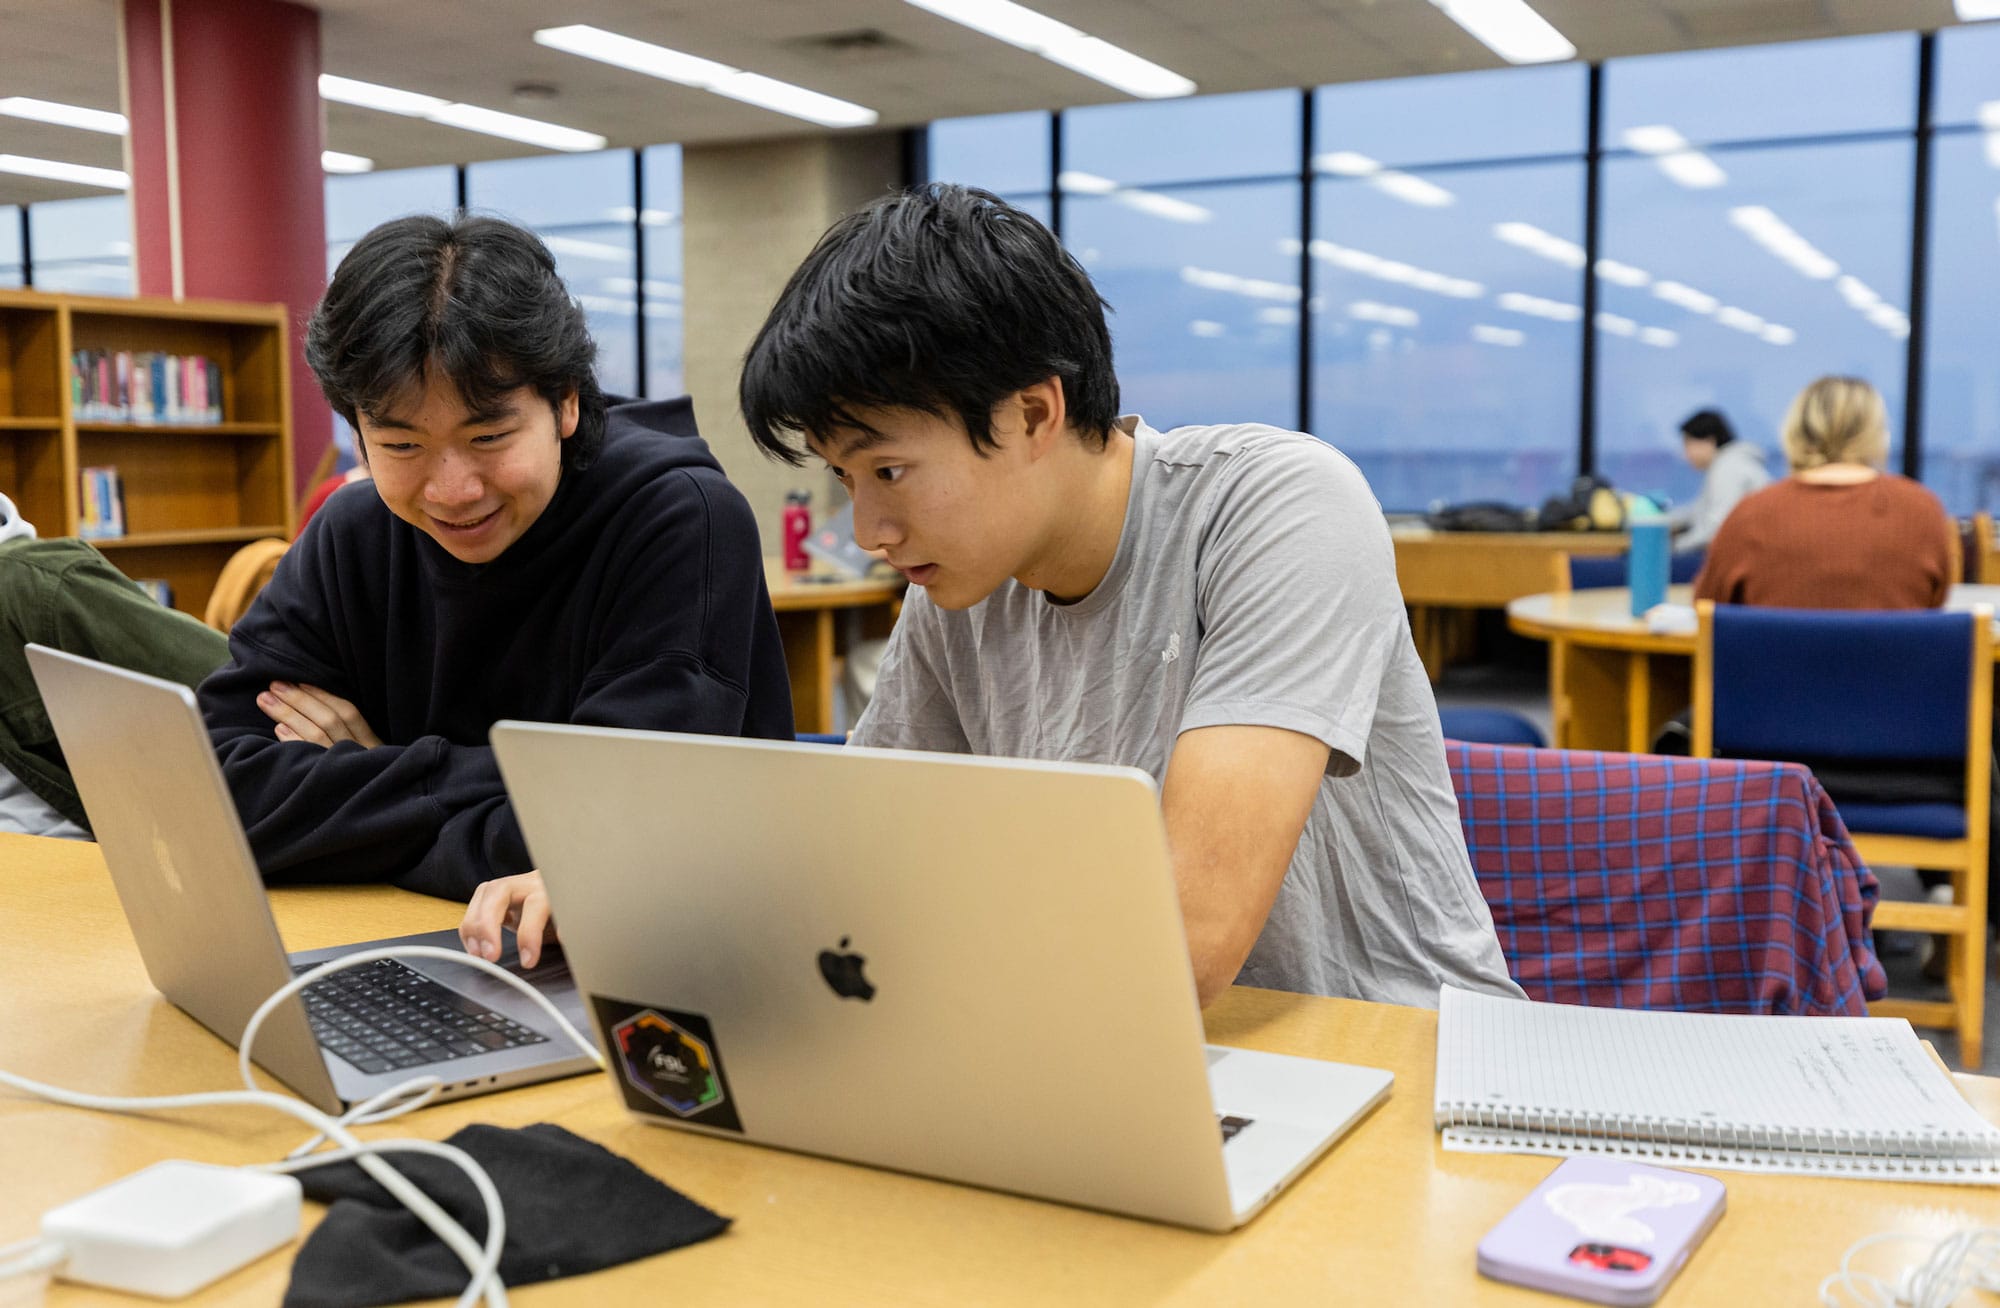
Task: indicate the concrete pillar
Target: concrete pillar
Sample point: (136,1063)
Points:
(753,212)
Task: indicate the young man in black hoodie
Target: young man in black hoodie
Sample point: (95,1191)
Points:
(530,550)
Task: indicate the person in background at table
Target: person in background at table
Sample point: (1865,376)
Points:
(529,548)
(1839,532)
(1215,605)
(1730,470)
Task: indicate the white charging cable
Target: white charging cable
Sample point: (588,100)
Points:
(482,1261)
(1956,1264)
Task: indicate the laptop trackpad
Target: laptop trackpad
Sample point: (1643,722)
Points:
(1281,1111)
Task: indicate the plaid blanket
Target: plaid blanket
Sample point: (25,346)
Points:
(1635,881)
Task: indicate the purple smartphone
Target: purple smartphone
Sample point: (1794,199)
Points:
(1603,1229)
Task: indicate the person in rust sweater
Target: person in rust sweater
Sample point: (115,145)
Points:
(1839,533)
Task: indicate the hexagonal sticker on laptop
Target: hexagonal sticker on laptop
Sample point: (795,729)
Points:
(668,1062)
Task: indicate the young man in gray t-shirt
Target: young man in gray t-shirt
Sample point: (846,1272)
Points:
(1215,605)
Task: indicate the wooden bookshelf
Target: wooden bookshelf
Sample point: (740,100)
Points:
(194,492)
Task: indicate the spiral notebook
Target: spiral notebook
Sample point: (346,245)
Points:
(1821,1096)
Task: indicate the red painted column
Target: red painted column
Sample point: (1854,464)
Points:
(228,199)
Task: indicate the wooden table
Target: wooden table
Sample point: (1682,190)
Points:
(806,605)
(1445,575)
(1387,1217)
(1612,682)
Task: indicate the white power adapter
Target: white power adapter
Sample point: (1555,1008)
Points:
(174,1227)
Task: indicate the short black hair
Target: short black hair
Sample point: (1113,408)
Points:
(1708,425)
(943,299)
(476,298)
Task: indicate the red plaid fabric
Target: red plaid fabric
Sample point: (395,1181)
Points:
(1635,881)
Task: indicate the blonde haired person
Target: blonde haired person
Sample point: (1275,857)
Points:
(1839,532)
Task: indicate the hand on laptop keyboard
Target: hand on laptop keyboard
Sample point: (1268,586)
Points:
(520,902)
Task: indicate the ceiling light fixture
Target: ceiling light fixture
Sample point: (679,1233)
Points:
(1536,306)
(1974,11)
(705,75)
(1406,187)
(333,161)
(1070,181)
(1393,314)
(1257,288)
(63,115)
(1624,274)
(55,170)
(1777,236)
(1060,43)
(1510,29)
(1687,297)
(1389,270)
(489,122)
(1546,244)
(1675,157)
(1487,334)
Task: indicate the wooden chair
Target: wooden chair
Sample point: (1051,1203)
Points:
(242,578)
(1982,568)
(1799,685)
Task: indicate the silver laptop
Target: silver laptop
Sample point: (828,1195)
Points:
(162,813)
(968,968)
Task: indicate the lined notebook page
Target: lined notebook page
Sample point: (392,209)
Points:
(1766,1083)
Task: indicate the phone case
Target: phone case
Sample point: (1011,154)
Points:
(1603,1229)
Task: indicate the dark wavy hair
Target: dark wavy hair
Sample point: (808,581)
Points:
(478,299)
(943,299)
(1708,425)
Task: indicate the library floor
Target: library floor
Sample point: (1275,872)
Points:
(1521,684)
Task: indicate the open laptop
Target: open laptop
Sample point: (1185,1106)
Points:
(973,969)
(189,886)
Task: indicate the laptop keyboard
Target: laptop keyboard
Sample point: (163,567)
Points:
(1230,1126)
(383,1016)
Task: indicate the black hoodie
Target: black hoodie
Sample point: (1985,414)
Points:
(636,599)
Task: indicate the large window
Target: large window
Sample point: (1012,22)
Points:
(1204,292)
(356,203)
(1204,298)
(82,245)
(661,222)
(1961,411)
(1008,154)
(11,270)
(581,205)
(1446,294)
(1444,285)
(1735,274)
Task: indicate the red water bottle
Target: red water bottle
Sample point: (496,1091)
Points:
(797,526)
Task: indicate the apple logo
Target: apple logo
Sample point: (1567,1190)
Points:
(843,973)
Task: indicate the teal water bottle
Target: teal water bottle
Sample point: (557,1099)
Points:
(1647,565)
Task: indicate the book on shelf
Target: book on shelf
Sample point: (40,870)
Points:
(103,504)
(1818,1096)
(147,387)
(157,587)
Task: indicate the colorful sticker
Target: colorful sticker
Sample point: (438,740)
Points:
(668,1063)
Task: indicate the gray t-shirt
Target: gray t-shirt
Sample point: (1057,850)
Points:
(1254,584)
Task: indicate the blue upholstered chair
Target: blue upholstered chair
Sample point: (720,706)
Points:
(1490,726)
(821,737)
(1848,687)
(1594,572)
